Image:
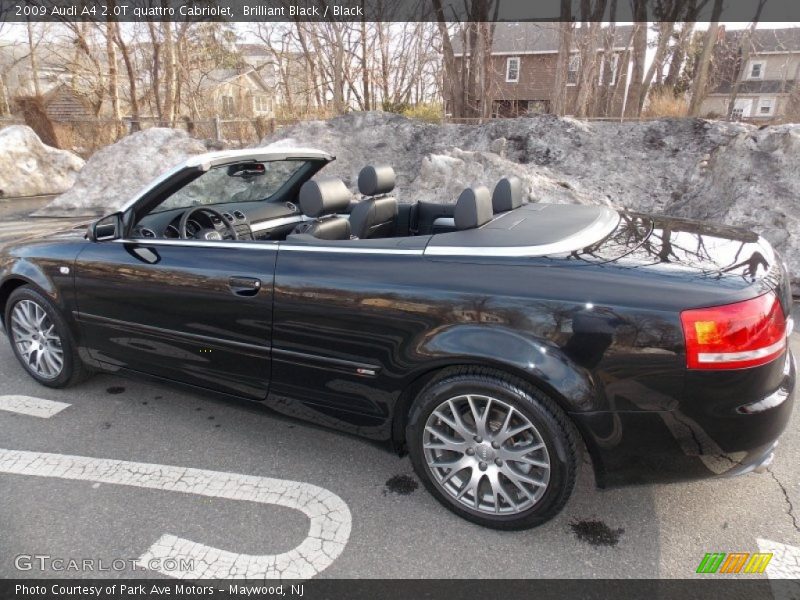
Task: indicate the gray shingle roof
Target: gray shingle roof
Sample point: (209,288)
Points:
(539,37)
(770,40)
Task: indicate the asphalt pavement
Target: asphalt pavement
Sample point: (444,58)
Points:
(61,496)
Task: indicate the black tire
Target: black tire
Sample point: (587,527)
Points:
(73,369)
(551,424)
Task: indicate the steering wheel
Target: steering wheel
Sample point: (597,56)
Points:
(205,234)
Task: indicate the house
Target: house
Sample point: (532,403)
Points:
(238,93)
(522,69)
(761,73)
(63,103)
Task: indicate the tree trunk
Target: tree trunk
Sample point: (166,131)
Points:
(113,77)
(665,30)
(170,87)
(701,76)
(452,89)
(744,57)
(364,63)
(559,98)
(632,104)
(34,63)
(679,55)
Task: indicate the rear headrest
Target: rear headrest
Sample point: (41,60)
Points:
(373,181)
(474,208)
(324,196)
(507,194)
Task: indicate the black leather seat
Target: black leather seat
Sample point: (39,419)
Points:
(473,208)
(375,216)
(321,199)
(507,194)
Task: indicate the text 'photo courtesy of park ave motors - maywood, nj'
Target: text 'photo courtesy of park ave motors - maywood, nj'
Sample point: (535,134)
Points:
(298,298)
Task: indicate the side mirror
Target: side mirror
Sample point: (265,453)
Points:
(107,228)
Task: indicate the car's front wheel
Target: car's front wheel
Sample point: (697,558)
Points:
(492,449)
(41,340)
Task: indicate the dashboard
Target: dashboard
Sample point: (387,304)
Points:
(259,220)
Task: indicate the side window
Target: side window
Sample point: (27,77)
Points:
(574,66)
(766,107)
(512,69)
(755,69)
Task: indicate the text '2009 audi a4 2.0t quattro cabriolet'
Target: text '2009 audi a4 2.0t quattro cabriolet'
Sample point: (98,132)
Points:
(492,338)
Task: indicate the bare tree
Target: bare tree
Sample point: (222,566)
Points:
(745,43)
(559,99)
(701,74)
(635,89)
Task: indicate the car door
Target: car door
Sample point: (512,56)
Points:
(196,312)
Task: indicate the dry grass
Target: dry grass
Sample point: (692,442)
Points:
(665,104)
(84,137)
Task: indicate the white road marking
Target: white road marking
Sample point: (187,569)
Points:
(34,407)
(785,564)
(329,516)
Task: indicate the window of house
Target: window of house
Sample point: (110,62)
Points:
(611,78)
(755,69)
(512,69)
(766,107)
(227,105)
(572,70)
(262,104)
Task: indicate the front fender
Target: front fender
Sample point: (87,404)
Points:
(536,360)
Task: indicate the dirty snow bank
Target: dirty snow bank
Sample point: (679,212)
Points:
(729,173)
(115,173)
(725,172)
(29,168)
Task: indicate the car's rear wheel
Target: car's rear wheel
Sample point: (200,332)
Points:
(41,340)
(493,449)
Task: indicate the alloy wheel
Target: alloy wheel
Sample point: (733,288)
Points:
(486,454)
(36,339)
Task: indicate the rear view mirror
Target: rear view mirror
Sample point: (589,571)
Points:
(106,228)
(246,170)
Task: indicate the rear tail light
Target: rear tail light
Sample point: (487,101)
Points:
(734,336)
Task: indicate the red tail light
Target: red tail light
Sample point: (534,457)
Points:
(734,336)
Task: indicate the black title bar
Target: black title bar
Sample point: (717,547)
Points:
(390,10)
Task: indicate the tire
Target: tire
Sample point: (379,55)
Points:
(515,483)
(32,306)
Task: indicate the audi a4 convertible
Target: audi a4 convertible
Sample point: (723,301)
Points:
(493,338)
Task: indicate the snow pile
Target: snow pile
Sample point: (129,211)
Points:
(724,172)
(729,173)
(29,168)
(117,172)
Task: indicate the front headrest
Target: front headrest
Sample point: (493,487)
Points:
(507,194)
(324,196)
(474,208)
(373,181)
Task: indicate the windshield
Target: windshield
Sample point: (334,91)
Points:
(240,182)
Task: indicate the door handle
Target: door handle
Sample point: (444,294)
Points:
(244,286)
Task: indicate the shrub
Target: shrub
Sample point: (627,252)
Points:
(431,113)
(663,103)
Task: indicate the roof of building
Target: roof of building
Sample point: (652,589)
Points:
(786,39)
(518,37)
(775,86)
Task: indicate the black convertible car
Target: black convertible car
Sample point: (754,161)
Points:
(494,339)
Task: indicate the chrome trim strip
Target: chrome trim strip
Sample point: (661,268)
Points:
(331,249)
(603,226)
(721,357)
(243,245)
(270,245)
(279,222)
